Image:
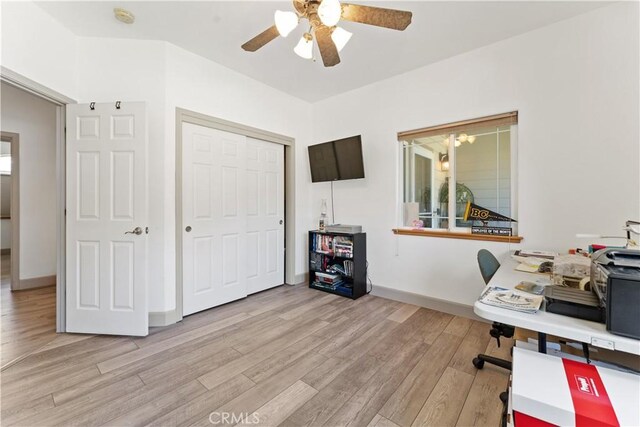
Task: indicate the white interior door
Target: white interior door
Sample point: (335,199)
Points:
(106,289)
(265,215)
(214,217)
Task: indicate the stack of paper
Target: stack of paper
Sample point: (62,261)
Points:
(511,299)
(536,254)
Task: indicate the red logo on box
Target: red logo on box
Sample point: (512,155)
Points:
(586,385)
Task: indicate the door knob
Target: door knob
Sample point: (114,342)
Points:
(188,228)
(137,231)
(281,222)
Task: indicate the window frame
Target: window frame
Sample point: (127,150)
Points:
(453,129)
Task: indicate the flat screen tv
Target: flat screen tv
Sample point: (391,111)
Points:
(337,160)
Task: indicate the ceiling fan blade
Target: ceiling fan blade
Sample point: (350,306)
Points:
(328,50)
(380,17)
(261,39)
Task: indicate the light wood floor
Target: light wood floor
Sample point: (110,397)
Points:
(28,317)
(290,356)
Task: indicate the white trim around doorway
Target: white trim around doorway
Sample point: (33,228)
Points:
(21,82)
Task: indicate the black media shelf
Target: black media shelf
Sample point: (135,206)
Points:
(338,254)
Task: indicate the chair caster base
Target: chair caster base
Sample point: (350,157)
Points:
(478,363)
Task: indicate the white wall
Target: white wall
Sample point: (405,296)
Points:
(575,85)
(197,84)
(35,120)
(167,77)
(38,47)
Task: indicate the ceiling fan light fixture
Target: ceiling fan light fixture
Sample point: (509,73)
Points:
(304,48)
(340,37)
(285,22)
(329,12)
(323,16)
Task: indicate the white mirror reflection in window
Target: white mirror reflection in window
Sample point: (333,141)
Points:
(423,178)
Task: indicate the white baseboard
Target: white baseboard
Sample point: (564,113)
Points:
(166,318)
(163,318)
(36,282)
(300,278)
(437,304)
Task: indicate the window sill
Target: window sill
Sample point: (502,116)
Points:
(456,235)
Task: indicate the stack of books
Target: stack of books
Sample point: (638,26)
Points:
(323,244)
(328,281)
(343,246)
(348,268)
(326,285)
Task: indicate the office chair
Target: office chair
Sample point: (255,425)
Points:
(488,267)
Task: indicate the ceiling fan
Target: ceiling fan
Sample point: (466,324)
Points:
(323,17)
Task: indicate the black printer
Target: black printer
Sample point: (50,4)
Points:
(615,278)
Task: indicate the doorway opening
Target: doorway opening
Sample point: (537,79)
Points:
(17,81)
(8,142)
(29,251)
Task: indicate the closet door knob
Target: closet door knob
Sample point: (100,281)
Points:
(188,228)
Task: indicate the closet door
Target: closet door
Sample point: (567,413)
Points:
(265,215)
(214,217)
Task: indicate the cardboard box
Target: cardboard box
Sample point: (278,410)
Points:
(548,390)
(627,360)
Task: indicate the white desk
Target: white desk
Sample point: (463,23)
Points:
(549,323)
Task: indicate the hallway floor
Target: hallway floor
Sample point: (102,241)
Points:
(28,317)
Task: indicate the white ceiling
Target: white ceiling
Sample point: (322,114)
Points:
(216,29)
